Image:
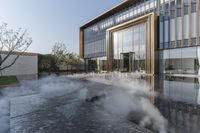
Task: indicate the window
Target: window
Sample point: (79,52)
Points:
(152,5)
(166,45)
(193,42)
(193,5)
(115,43)
(186,7)
(185,42)
(172,44)
(166,34)
(142,42)
(147,6)
(136,42)
(178,43)
(189,60)
(161,46)
(142,8)
(131,12)
(166,11)
(127,41)
(178,8)
(172,9)
(193,25)
(175,61)
(139,9)
(179,28)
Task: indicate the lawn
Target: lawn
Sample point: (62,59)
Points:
(8,80)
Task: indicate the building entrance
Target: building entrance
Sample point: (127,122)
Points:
(127,62)
(131,47)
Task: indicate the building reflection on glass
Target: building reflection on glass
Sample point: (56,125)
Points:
(178,101)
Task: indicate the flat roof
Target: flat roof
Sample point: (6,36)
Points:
(20,53)
(110,12)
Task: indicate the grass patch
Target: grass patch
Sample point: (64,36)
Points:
(8,80)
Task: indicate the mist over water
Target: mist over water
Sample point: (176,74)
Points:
(4,115)
(128,99)
(49,87)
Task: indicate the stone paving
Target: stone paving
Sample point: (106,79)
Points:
(66,113)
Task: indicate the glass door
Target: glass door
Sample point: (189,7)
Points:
(131,61)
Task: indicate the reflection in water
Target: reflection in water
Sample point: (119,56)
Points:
(178,101)
(177,98)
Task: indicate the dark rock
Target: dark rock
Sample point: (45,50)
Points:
(95,98)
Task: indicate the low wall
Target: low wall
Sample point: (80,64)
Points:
(25,65)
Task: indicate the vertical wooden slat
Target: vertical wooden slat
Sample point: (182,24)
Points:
(151,44)
(153,21)
(148,47)
(189,24)
(175,23)
(182,23)
(146,42)
(163,10)
(169,23)
(151,51)
(155,43)
(158,7)
(197,22)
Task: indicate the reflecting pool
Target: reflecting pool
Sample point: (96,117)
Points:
(178,100)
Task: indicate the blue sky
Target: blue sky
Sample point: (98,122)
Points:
(49,21)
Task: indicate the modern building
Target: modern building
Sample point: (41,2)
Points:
(25,67)
(148,36)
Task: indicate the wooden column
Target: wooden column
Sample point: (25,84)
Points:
(154,44)
(148,46)
(81,43)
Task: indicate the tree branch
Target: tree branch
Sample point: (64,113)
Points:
(11,42)
(7,66)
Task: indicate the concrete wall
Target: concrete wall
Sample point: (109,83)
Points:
(25,65)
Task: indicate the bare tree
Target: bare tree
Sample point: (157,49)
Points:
(59,51)
(64,57)
(11,43)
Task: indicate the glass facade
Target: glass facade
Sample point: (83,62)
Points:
(96,64)
(178,38)
(179,50)
(181,61)
(171,30)
(130,43)
(95,35)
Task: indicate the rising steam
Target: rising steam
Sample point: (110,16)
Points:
(127,99)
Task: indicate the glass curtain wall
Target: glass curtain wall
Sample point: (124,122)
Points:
(182,61)
(179,50)
(95,35)
(129,47)
(182,89)
(167,23)
(96,64)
